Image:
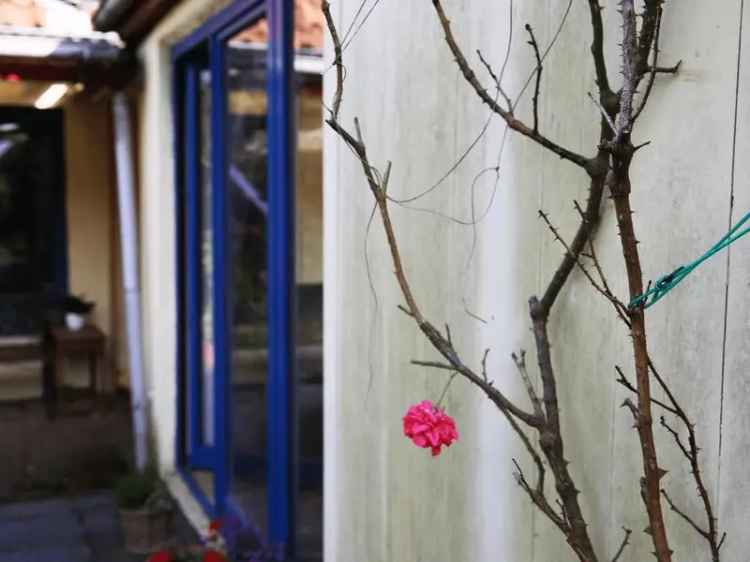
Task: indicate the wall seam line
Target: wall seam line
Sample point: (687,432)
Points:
(729,252)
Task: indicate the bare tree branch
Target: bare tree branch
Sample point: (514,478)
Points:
(611,164)
(512,122)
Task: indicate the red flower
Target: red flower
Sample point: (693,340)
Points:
(428,426)
(215,525)
(161,556)
(213,556)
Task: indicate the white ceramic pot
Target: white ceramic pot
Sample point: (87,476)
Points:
(74,321)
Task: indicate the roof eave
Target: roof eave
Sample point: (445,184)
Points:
(133,21)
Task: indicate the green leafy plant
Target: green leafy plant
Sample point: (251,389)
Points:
(142,489)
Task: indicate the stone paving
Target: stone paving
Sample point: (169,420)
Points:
(83,529)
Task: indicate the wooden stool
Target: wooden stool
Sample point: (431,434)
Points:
(89,341)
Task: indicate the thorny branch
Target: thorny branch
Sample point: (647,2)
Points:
(610,166)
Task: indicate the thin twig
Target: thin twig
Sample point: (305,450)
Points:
(484,363)
(684,515)
(603,111)
(675,436)
(520,361)
(512,122)
(433,365)
(535,100)
(627,384)
(337,61)
(623,544)
(498,84)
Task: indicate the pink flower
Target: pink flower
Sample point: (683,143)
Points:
(428,426)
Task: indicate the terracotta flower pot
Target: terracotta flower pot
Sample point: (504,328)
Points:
(146,530)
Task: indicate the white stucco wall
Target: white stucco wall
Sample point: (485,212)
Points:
(388,501)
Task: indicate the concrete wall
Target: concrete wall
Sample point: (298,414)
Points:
(385,499)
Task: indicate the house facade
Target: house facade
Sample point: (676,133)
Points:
(273,362)
(227,117)
(193,217)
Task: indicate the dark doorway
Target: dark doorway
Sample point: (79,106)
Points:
(33,249)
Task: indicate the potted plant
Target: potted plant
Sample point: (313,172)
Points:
(146,512)
(76,311)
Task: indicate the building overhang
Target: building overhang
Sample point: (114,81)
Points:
(37,54)
(133,20)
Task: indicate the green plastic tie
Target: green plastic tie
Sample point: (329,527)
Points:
(663,285)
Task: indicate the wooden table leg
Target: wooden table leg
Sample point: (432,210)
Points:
(59,368)
(93,371)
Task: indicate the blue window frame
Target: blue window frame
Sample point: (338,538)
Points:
(204,51)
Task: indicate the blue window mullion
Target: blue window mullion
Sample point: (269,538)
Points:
(222,278)
(192,260)
(281,239)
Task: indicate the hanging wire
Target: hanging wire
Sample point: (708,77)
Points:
(665,284)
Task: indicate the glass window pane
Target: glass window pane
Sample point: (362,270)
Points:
(247,207)
(207,269)
(309,266)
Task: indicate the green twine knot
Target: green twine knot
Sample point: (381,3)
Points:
(666,283)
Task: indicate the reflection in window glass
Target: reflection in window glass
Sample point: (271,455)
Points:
(207,269)
(248,190)
(247,208)
(309,267)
